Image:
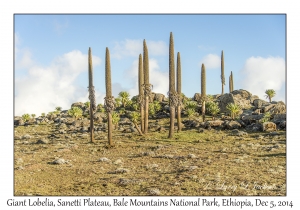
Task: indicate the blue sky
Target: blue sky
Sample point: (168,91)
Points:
(51,54)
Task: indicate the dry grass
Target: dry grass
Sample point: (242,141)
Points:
(195,164)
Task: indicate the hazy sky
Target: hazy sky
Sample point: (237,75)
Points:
(51,65)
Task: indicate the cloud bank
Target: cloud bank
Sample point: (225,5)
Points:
(260,74)
(211,61)
(44,88)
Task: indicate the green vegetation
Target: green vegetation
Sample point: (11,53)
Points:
(212,108)
(190,105)
(270,94)
(75,112)
(190,113)
(87,104)
(115,118)
(135,118)
(234,109)
(26,117)
(266,118)
(100,108)
(124,96)
(58,108)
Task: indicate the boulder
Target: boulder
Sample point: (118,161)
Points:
(278,108)
(269,126)
(197,97)
(259,103)
(279,117)
(151,98)
(236,132)
(252,98)
(159,97)
(213,123)
(232,125)
(254,127)
(239,97)
(76,123)
(79,105)
(282,125)
(98,117)
(18,121)
(249,119)
(268,107)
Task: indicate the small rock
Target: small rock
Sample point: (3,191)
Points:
(26,136)
(42,141)
(260,137)
(124,182)
(119,171)
(192,156)
(154,191)
(191,168)
(104,159)
(59,161)
(201,130)
(148,153)
(118,161)
(19,161)
(19,168)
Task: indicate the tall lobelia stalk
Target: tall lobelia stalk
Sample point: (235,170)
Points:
(222,72)
(147,85)
(179,91)
(231,81)
(203,90)
(230,88)
(93,106)
(173,97)
(141,92)
(109,99)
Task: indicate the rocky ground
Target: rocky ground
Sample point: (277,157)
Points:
(53,155)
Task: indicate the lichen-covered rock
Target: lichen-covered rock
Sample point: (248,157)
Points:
(259,103)
(278,108)
(239,97)
(249,119)
(213,123)
(279,117)
(98,117)
(197,97)
(79,105)
(232,124)
(282,125)
(268,107)
(159,97)
(269,126)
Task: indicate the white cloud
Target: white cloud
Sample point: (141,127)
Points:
(211,61)
(133,48)
(259,74)
(44,88)
(23,56)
